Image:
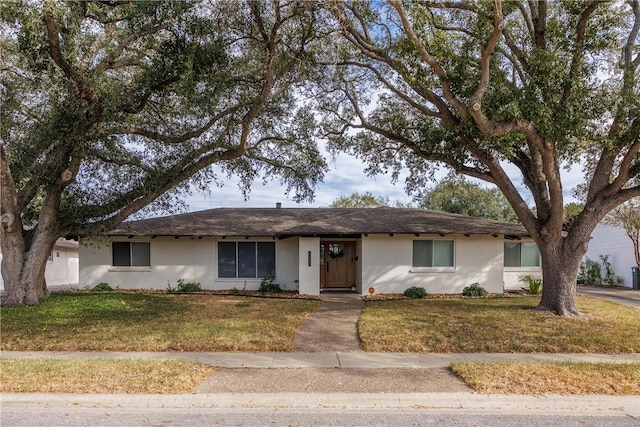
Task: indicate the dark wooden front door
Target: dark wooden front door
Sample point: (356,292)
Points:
(338,267)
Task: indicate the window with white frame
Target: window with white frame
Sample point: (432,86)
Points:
(250,260)
(523,254)
(433,253)
(131,254)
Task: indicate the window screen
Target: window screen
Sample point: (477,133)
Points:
(512,254)
(227,259)
(266,259)
(529,255)
(433,253)
(524,254)
(423,253)
(131,254)
(246,259)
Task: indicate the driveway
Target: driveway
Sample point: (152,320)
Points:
(626,296)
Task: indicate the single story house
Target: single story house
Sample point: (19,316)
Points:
(382,250)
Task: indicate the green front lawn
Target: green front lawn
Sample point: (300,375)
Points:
(497,325)
(152,322)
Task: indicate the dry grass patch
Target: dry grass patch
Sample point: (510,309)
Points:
(551,378)
(153,322)
(497,325)
(100,376)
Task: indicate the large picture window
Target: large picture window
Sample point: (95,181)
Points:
(433,253)
(250,260)
(521,255)
(131,254)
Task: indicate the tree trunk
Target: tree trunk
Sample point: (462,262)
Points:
(23,270)
(23,262)
(13,254)
(12,241)
(560,264)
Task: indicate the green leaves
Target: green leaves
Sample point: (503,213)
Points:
(457,195)
(135,98)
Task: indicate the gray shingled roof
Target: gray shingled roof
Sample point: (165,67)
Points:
(284,222)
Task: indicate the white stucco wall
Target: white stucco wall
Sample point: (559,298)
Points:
(614,242)
(287,263)
(309,274)
(191,259)
(513,276)
(386,264)
(61,269)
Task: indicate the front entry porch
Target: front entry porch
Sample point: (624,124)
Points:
(328,264)
(338,265)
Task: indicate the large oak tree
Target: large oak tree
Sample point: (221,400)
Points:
(110,106)
(480,86)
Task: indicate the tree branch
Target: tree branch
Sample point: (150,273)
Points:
(168,139)
(430,60)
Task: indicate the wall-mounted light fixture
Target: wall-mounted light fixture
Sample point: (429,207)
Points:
(309,258)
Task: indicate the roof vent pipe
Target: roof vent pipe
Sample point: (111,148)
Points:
(278,205)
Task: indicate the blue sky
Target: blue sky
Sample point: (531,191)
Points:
(344,177)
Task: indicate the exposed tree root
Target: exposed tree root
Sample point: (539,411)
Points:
(564,311)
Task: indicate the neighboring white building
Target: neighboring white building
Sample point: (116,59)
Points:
(614,242)
(309,250)
(62,265)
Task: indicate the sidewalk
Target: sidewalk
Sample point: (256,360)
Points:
(273,360)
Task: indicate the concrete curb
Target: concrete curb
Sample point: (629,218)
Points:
(405,402)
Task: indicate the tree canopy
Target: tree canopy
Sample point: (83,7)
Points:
(113,107)
(460,196)
(357,200)
(478,86)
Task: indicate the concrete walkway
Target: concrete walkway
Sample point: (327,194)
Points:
(332,327)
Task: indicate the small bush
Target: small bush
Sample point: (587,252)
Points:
(184,287)
(415,292)
(610,277)
(474,290)
(189,286)
(534,284)
(591,273)
(269,284)
(102,287)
